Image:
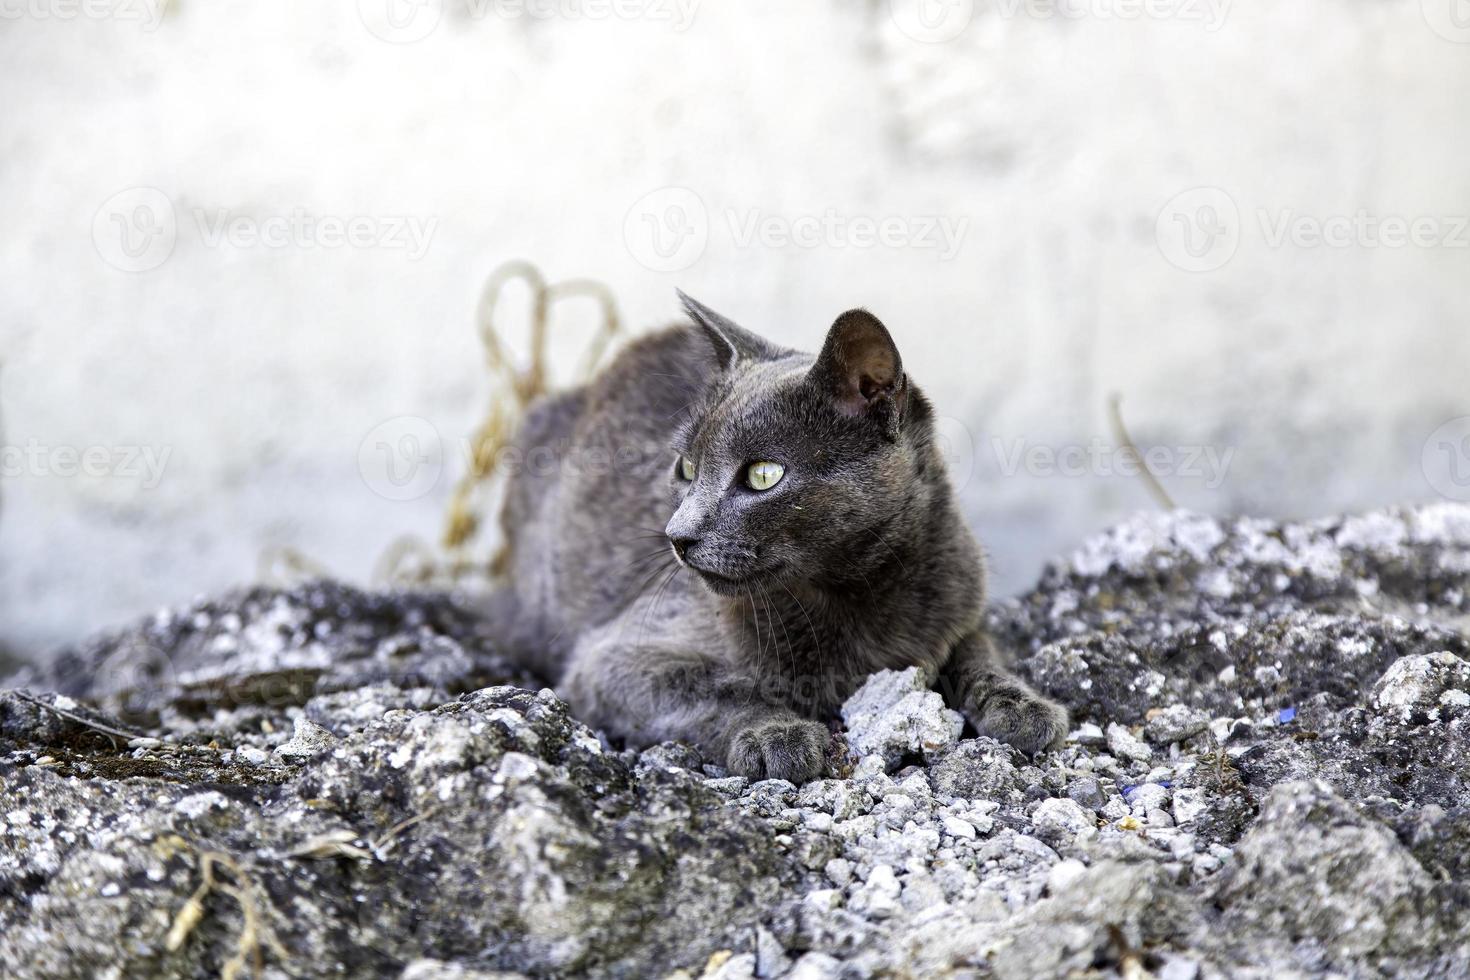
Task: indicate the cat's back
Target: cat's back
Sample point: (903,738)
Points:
(586,499)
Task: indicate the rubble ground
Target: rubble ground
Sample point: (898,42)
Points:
(1268,775)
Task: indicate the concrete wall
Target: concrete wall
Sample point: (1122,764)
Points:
(1246,219)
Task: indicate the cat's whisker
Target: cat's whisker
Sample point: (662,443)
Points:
(790,648)
(770,627)
(643,586)
(643,559)
(648,537)
(811,627)
(647,533)
(635,593)
(657,596)
(756,619)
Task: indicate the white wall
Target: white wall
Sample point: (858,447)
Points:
(1057,144)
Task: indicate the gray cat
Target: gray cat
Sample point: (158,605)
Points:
(717,539)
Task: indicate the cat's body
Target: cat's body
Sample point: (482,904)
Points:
(771,606)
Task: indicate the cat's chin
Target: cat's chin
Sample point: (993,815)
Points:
(724,585)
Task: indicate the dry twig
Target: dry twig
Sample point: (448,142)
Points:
(1120,433)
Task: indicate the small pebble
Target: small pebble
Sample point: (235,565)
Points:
(1124,743)
(1087,734)
(1087,792)
(955,827)
(1063,817)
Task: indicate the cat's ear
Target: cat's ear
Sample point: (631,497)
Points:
(860,371)
(732,342)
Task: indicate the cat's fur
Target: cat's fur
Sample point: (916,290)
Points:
(735,619)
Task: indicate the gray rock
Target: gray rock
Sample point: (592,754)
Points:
(359,774)
(1424,688)
(1179,968)
(878,896)
(1087,792)
(895,714)
(275,647)
(497,813)
(1124,743)
(979,769)
(1175,723)
(1064,874)
(816,966)
(672,755)
(1188,805)
(1313,867)
(1088,734)
(1103,913)
(1061,819)
(1146,796)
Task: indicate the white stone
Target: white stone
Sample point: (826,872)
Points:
(878,896)
(1064,874)
(895,714)
(823,899)
(251,755)
(1148,796)
(815,966)
(307,739)
(839,871)
(1424,687)
(1063,814)
(1087,734)
(955,827)
(1122,742)
(1189,803)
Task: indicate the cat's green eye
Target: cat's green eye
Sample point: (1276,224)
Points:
(685,468)
(764,475)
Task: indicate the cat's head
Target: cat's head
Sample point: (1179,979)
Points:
(801,469)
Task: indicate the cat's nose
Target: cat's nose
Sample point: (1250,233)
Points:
(682,545)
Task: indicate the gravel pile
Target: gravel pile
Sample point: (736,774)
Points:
(1269,775)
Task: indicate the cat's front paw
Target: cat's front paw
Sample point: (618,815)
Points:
(788,748)
(1019,716)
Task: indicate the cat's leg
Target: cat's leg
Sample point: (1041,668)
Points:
(646,694)
(522,635)
(998,703)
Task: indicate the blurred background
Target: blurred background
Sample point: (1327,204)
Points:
(245,241)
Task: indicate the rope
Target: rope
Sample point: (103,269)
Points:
(410,560)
